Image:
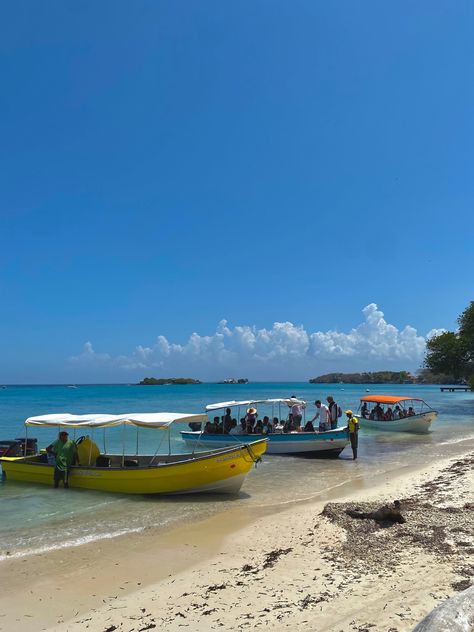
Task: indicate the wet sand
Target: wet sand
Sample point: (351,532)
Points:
(307,564)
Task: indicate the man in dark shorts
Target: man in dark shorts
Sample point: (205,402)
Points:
(65,452)
(353,427)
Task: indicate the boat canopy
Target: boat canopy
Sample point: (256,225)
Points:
(289,401)
(388,399)
(145,420)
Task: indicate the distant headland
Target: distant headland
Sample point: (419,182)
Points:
(424,376)
(155,381)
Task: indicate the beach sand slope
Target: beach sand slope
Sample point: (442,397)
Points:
(318,568)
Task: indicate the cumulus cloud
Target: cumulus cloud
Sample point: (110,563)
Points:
(283,351)
(90,357)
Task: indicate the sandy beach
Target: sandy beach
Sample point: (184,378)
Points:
(309,564)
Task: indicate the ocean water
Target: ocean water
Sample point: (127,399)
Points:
(32,516)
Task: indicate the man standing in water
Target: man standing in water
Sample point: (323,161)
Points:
(353,427)
(65,452)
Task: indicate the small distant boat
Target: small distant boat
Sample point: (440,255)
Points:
(404,414)
(320,444)
(72,386)
(222,470)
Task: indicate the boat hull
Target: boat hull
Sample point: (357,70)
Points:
(419,424)
(324,444)
(220,471)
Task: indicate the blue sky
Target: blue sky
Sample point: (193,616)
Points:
(165,166)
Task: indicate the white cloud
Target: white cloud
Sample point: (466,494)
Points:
(284,351)
(90,357)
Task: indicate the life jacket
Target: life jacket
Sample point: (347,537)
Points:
(87,451)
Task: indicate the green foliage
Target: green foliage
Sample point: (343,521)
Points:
(425,376)
(466,337)
(154,381)
(453,352)
(378,377)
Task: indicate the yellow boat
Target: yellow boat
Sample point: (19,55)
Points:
(221,470)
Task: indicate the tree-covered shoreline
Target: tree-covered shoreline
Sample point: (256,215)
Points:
(452,352)
(155,381)
(377,377)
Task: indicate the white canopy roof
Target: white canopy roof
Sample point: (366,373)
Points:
(146,420)
(289,401)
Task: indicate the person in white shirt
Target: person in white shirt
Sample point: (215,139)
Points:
(277,426)
(322,411)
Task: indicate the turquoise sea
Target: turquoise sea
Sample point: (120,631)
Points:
(37,518)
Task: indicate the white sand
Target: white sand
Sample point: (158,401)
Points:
(285,569)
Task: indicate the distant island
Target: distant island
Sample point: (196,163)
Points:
(378,377)
(232,380)
(424,376)
(155,381)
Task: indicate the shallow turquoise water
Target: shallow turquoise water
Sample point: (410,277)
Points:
(36,518)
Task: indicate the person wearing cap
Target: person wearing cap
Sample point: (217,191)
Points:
(65,452)
(353,427)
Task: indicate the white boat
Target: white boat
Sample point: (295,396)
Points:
(416,415)
(320,444)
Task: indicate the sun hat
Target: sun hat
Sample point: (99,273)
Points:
(251,411)
(348,412)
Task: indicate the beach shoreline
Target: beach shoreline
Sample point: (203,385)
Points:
(118,580)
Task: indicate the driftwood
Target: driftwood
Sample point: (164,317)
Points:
(384,515)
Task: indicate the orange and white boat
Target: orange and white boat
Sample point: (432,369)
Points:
(396,413)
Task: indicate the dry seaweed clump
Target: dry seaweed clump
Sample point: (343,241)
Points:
(380,537)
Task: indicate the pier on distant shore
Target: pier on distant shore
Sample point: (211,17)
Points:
(453,389)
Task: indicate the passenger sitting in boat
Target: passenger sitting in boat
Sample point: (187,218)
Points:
(397,413)
(411,412)
(388,416)
(194,425)
(378,412)
(267,426)
(364,411)
(209,428)
(308,427)
(243,426)
(258,428)
(234,430)
(277,426)
(404,413)
(288,426)
(372,414)
(227,421)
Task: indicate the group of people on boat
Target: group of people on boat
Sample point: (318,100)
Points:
(390,414)
(326,415)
